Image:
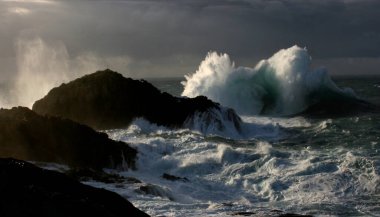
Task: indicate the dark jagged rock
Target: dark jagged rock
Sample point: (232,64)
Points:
(106,99)
(26,190)
(132,180)
(174,178)
(28,136)
(243,213)
(293,215)
(155,191)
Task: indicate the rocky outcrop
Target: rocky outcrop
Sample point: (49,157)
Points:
(26,190)
(106,99)
(28,136)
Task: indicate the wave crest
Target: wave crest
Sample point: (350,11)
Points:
(284,84)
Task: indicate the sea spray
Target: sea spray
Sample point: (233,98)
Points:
(42,65)
(284,84)
(309,166)
(221,121)
(40,68)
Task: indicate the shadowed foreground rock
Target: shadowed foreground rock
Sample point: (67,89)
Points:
(106,100)
(26,190)
(28,136)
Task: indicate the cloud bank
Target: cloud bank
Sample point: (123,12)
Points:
(170,38)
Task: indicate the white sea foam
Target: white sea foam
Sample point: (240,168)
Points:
(284,84)
(227,175)
(293,164)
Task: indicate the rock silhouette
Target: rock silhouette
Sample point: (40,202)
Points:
(26,190)
(28,136)
(106,100)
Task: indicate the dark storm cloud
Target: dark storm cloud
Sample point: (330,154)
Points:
(171,37)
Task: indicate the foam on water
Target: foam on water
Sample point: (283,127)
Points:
(221,121)
(227,176)
(218,123)
(312,166)
(284,84)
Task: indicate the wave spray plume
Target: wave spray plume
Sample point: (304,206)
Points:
(284,84)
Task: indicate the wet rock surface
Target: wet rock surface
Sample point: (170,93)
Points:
(155,191)
(26,190)
(26,135)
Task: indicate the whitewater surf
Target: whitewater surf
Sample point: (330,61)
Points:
(326,166)
(279,156)
(283,84)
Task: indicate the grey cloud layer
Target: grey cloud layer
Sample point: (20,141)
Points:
(171,37)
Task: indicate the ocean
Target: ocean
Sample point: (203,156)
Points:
(319,166)
(280,159)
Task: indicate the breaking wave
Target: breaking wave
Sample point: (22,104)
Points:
(284,84)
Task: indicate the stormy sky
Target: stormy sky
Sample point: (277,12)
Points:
(146,38)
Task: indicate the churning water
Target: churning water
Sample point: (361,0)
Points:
(321,166)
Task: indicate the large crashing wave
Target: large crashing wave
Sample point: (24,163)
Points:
(284,84)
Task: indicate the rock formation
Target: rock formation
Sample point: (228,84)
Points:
(106,100)
(28,136)
(26,190)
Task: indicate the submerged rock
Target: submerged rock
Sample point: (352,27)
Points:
(174,178)
(293,215)
(132,180)
(106,100)
(243,213)
(329,103)
(340,108)
(155,190)
(28,136)
(26,190)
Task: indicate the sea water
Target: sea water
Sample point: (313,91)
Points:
(321,166)
(325,166)
(278,160)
